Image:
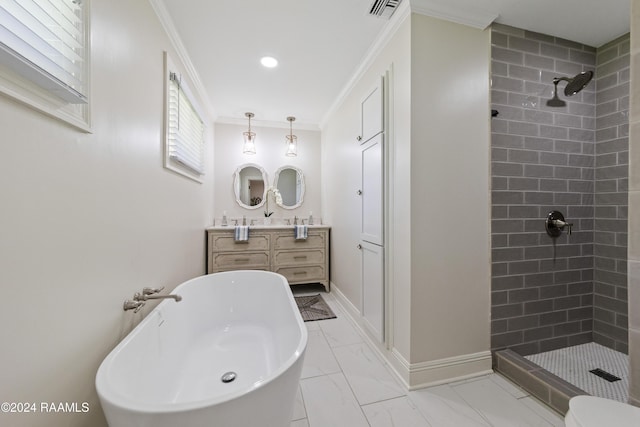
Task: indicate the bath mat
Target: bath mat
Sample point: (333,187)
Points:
(313,307)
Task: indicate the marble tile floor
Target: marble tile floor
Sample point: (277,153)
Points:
(344,383)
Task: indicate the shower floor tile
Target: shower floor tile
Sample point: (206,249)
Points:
(573,364)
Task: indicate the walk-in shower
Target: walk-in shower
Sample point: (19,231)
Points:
(574,85)
(569,154)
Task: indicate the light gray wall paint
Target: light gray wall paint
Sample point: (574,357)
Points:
(90,219)
(270,149)
(341,171)
(450,203)
(439,218)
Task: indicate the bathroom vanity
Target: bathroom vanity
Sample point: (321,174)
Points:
(272,248)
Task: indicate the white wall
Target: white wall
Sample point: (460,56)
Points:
(439,251)
(89,219)
(342,178)
(450,207)
(270,149)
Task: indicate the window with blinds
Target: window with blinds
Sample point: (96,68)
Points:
(44,41)
(184,151)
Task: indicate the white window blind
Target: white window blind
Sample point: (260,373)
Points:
(44,41)
(185,129)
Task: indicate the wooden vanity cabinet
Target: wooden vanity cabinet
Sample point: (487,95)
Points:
(272,249)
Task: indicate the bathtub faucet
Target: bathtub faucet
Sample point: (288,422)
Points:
(144,297)
(139,298)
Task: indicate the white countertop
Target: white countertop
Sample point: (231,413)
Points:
(266,227)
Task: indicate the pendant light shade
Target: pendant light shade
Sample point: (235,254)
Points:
(249,146)
(292,140)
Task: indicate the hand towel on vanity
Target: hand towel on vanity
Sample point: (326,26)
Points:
(300,232)
(242,233)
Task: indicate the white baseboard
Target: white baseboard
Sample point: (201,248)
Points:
(423,374)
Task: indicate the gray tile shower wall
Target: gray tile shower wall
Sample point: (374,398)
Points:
(548,293)
(542,159)
(610,323)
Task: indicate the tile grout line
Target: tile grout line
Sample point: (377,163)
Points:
(348,383)
(363,342)
(480,413)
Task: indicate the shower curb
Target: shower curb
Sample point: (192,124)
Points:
(540,383)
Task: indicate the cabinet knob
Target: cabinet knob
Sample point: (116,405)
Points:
(359,192)
(359,138)
(359,246)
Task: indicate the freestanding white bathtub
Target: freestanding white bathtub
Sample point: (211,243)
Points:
(167,372)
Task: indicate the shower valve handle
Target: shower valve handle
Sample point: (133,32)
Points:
(561,224)
(555,223)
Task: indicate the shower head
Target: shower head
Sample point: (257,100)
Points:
(574,85)
(578,83)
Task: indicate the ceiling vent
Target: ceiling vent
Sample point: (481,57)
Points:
(383,8)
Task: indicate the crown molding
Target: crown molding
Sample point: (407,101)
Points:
(395,22)
(473,17)
(167,23)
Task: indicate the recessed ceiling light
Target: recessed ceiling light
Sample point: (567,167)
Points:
(269,61)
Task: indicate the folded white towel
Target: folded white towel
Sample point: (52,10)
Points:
(300,232)
(242,233)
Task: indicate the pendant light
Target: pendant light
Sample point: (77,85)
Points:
(292,140)
(249,146)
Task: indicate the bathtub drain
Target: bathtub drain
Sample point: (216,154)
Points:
(228,377)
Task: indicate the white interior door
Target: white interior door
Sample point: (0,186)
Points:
(372,190)
(373,288)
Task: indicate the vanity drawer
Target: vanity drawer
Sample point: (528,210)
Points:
(225,242)
(238,260)
(311,256)
(272,249)
(306,274)
(287,241)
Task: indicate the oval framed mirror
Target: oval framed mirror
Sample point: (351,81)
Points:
(289,181)
(250,185)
